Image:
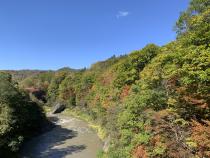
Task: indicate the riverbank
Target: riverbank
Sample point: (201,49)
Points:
(101,132)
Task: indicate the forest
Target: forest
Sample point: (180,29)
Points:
(151,103)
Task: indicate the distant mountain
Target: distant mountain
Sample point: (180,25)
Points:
(68,69)
(20,75)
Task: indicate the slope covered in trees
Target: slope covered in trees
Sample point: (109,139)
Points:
(153,102)
(20,118)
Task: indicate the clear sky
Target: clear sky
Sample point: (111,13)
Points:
(50,34)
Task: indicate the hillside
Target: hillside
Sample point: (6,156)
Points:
(20,118)
(153,102)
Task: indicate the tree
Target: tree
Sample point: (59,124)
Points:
(19,117)
(195,8)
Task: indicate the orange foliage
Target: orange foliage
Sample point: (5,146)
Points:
(140,152)
(106,79)
(169,134)
(156,139)
(125,92)
(105,103)
(201,135)
(95,100)
(199,102)
(171,83)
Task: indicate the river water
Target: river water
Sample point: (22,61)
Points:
(71,138)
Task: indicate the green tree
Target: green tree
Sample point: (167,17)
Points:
(19,117)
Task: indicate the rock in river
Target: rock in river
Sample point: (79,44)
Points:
(59,107)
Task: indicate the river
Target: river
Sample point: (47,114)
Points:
(71,138)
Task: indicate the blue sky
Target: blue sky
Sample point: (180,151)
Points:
(50,34)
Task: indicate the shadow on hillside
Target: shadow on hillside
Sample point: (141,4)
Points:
(51,144)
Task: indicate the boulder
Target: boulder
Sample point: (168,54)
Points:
(59,107)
